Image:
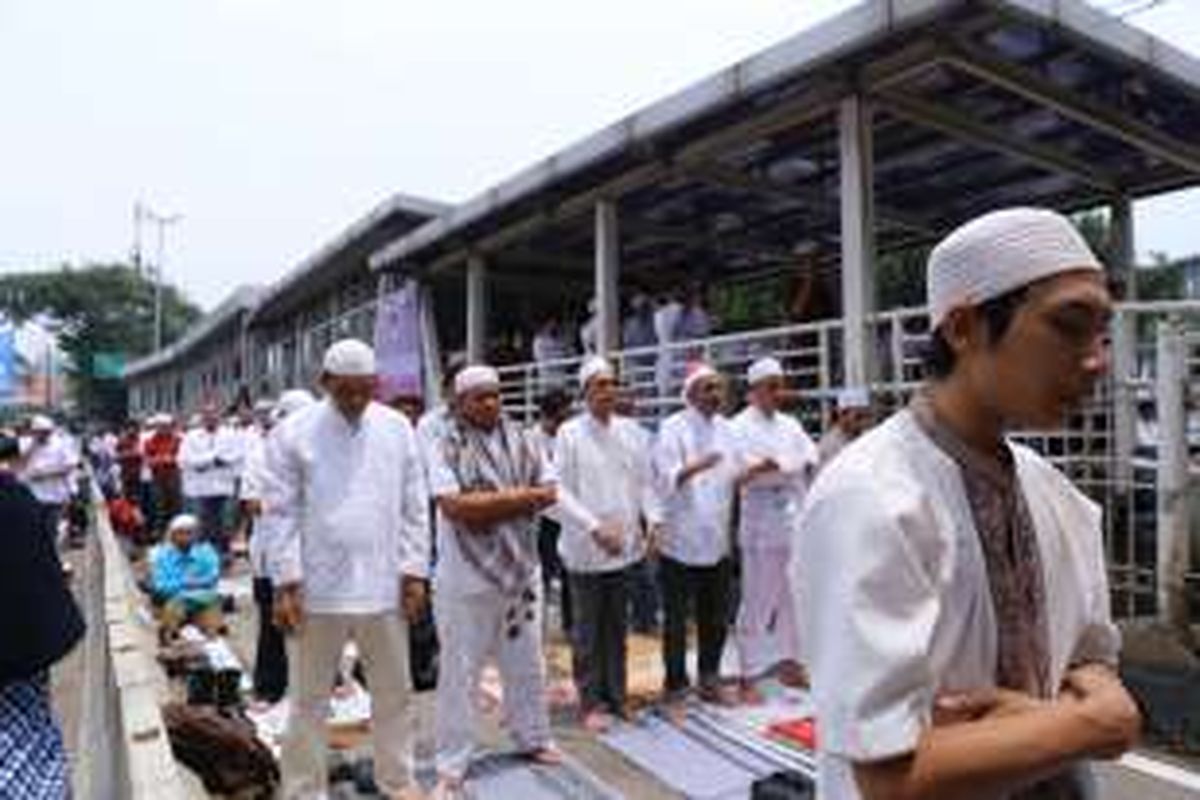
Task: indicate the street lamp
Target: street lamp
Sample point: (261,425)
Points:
(161,222)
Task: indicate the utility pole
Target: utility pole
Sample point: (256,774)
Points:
(161,222)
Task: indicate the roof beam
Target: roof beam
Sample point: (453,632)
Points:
(810,198)
(923,113)
(1034,87)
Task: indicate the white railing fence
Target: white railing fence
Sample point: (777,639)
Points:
(1111,448)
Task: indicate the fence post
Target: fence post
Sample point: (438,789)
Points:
(1173,546)
(1124,398)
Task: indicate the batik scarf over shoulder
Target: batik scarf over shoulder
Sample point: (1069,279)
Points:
(505,554)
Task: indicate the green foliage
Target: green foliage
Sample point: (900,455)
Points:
(104,312)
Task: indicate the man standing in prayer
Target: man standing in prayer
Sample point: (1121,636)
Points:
(951,583)
(48,464)
(554,407)
(211,457)
(270,651)
(851,420)
(777,459)
(162,459)
(695,461)
(39,624)
(490,484)
(603,461)
(351,549)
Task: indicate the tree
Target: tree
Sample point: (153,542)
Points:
(105,315)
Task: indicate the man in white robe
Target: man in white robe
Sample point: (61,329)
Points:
(604,461)
(349,558)
(777,459)
(490,483)
(695,460)
(952,584)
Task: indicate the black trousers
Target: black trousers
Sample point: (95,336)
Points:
(270,656)
(598,638)
(706,590)
(423,650)
(552,567)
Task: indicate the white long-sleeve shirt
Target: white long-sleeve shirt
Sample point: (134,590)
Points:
(697,513)
(454,575)
(199,454)
(48,468)
(352,508)
(255,486)
(607,467)
(771,502)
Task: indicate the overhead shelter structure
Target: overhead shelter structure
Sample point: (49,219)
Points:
(876,131)
(329,295)
(209,363)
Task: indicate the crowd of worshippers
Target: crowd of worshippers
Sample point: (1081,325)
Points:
(941,589)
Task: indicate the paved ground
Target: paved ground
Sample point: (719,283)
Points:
(1116,782)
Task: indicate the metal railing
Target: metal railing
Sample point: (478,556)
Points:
(1120,469)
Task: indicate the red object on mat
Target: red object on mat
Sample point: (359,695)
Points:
(796,731)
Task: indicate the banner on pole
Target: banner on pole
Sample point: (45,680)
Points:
(9,379)
(398,344)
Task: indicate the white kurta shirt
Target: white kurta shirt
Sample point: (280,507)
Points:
(608,469)
(352,505)
(697,514)
(894,598)
(255,486)
(199,453)
(48,468)
(770,503)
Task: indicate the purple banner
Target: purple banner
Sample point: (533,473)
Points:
(398,344)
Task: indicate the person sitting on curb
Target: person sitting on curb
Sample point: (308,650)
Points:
(183,579)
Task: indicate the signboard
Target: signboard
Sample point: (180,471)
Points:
(398,344)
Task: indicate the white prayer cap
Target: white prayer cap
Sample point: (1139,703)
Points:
(592,367)
(853,397)
(1000,252)
(696,372)
(188,521)
(41,423)
(291,401)
(159,419)
(476,376)
(764,368)
(349,357)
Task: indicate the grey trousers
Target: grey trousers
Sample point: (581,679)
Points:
(598,632)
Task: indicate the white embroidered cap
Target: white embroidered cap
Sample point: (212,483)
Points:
(476,376)
(764,368)
(592,367)
(349,357)
(999,252)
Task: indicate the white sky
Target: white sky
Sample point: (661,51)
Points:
(273,124)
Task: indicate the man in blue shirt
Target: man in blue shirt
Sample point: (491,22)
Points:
(183,578)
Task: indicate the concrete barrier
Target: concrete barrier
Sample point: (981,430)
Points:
(123,748)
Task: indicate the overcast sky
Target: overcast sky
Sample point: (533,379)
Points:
(270,125)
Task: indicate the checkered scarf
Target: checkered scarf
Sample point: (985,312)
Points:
(505,554)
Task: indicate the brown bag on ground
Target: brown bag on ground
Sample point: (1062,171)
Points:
(221,748)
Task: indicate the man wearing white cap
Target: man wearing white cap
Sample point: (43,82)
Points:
(490,483)
(210,458)
(695,460)
(183,578)
(777,459)
(47,463)
(603,460)
(270,651)
(951,583)
(851,419)
(350,554)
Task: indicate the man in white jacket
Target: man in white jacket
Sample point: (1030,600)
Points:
(604,461)
(351,550)
(777,459)
(952,585)
(695,460)
(210,458)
